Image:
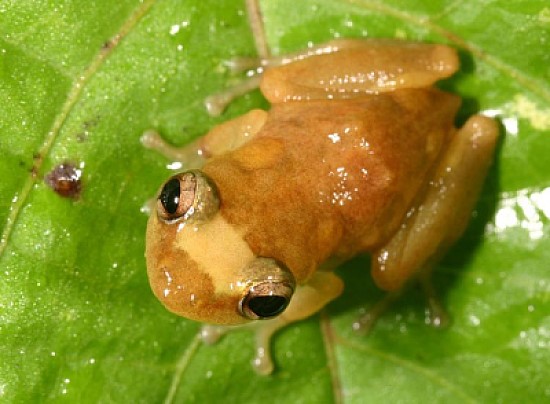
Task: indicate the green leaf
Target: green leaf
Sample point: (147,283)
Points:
(80,81)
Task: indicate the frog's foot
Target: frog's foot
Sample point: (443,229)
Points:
(216,104)
(210,334)
(262,362)
(365,323)
(307,300)
(192,155)
(255,68)
(148,206)
(436,315)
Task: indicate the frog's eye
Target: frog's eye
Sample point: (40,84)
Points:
(265,300)
(269,297)
(188,195)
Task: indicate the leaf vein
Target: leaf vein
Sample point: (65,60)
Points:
(329,342)
(434,377)
(71,100)
(180,368)
(38,57)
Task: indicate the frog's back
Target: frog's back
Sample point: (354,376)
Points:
(333,177)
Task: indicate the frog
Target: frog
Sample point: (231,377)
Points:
(357,154)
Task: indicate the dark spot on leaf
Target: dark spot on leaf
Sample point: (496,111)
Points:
(87,126)
(65,180)
(81,137)
(110,43)
(107,45)
(91,123)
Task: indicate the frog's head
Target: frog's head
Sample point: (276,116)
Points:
(199,265)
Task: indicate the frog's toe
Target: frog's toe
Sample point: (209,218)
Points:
(210,334)
(437,316)
(262,362)
(216,104)
(241,64)
(365,323)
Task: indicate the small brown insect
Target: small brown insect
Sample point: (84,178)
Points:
(65,180)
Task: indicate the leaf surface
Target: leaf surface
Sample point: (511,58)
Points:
(80,81)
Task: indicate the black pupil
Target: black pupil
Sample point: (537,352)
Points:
(267,306)
(170,196)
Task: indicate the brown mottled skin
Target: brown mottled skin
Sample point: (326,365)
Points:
(183,283)
(358,153)
(282,198)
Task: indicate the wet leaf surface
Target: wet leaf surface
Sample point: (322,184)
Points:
(80,81)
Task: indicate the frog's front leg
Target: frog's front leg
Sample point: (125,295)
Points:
(221,139)
(307,300)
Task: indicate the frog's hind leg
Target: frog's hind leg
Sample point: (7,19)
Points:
(440,219)
(341,68)
(347,68)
